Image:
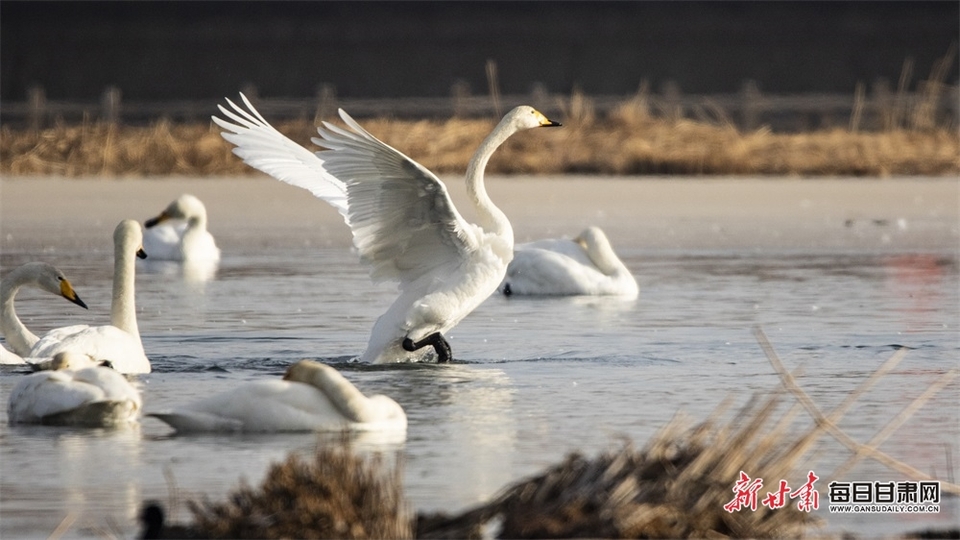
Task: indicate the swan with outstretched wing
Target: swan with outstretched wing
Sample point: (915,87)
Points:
(404,223)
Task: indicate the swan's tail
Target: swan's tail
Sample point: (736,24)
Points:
(264,148)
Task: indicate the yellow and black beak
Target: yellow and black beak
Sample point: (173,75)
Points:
(152,222)
(66,290)
(546,122)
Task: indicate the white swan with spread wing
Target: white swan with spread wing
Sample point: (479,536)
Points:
(76,391)
(585,265)
(403,221)
(39,275)
(311,397)
(180,233)
(119,342)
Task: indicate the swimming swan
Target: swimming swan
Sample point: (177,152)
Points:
(311,397)
(586,265)
(118,342)
(42,276)
(403,221)
(75,392)
(188,240)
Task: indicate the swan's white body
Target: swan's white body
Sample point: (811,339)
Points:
(403,221)
(35,274)
(119,342)
(312,397)
(180,233)
(75,392)
(585,265)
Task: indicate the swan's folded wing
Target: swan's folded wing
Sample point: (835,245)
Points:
(197,422)
(264,148)
(403,220)
(47,393)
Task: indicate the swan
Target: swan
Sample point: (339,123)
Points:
(188,240)
(42,276)
(311,397)
(119,342)
(75,392)
(403,222)
(585,265)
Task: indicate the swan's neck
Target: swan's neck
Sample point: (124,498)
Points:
(16,334)
(607,261)
(341,393)
(489,217)
(123,310)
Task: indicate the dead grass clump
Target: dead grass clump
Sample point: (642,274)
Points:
(337,495)
(675,487)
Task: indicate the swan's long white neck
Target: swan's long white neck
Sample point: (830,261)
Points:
(607,261)
(18,337)
(342,394)
(489,217)
(123,310)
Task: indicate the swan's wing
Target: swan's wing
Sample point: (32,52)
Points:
(563,246)
(197,422)
(163,241)
(46,393)
(107,342)
(404,223)
(264,148)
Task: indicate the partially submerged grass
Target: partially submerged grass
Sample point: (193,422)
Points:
(674,487)
(628,141)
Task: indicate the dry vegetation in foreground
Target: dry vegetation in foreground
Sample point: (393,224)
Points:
(629,141)
(675,487)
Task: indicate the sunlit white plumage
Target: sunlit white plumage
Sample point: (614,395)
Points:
(39,275)
(311,397)
(585,265)
(119,342)
(180,233)
(403,221)
(75,392)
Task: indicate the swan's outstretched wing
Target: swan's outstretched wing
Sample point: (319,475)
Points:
(264,148)
(403,221)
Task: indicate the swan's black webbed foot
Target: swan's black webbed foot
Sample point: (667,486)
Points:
(507,291)
(440,345)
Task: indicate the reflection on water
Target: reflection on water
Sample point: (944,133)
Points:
(535,378)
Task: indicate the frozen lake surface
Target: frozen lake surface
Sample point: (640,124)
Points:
(837,283)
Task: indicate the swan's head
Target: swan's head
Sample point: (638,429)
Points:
(185,207)
(598,248)
(526,117)
(305,370)
(71,360)
(128,238)
(51,279)
(593,240)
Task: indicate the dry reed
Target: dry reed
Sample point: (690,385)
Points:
(337,495)
(628,141)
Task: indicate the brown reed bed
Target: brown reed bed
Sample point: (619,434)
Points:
(628,141)
(676,486)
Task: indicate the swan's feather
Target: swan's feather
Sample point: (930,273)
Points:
(91,397)
(403,221)
(163,241)
(273,406)
(264,148)
(107,342)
